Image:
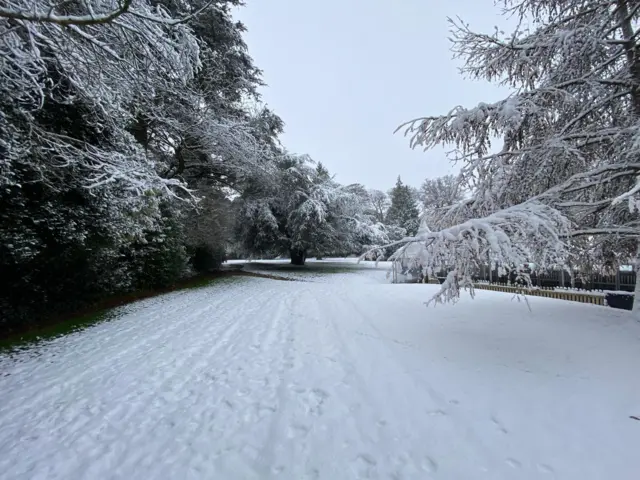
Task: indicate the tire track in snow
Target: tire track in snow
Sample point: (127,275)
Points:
(43,390)
(319,422)
(369,429)
(54,385)
(63,420)
(281,333)
(230,361)
(179,369)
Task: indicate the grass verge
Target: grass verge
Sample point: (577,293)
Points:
(98,312)
(103,310)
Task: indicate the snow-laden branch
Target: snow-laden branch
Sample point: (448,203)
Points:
(49,16)
(449,291)
(21,12)
(529,232)
(615,231)
(176,21)
(125,69)
(570,132)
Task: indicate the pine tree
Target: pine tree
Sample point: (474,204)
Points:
(403,211)
(322,174)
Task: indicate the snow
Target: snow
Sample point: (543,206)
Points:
(341,376)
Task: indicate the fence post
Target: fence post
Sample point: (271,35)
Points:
(562,277)
(618,279)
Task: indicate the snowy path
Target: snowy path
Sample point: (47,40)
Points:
(341,379)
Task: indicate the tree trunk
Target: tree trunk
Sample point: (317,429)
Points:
(298,257)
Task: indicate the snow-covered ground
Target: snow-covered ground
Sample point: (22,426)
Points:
(338,377)
(326,270)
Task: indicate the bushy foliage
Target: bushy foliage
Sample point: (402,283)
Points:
(302,211)
(403,211)
(120,123)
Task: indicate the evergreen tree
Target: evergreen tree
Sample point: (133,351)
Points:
(116,120)
(322,173)
(302,211)
(403,211)
(438,195)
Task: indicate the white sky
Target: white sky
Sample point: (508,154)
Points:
(343,74)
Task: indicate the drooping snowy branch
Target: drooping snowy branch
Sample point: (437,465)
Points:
(570,130)
(108,67)
(506,239)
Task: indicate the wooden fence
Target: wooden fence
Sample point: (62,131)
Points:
(582,297)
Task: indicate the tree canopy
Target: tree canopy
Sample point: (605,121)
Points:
(565,181)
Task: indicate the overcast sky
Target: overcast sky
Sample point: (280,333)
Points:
(343,74)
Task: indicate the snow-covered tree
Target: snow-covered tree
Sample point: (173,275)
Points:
(357,228)
(380,203)
(437,195)
(570,132)
(303,211)
(115,118)
(403,211)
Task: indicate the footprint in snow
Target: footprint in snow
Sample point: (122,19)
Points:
(317,398)
(296,388)
(243,392)
(263,411)
(436,413)
(429,465)
(364,465)
(297,431)
(543,468)
(499,425)
(312,474)
(513,463)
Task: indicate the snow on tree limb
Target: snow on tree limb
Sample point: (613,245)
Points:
(109,67)
(529,232)
(19,11)
(570,129)
(449,291)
